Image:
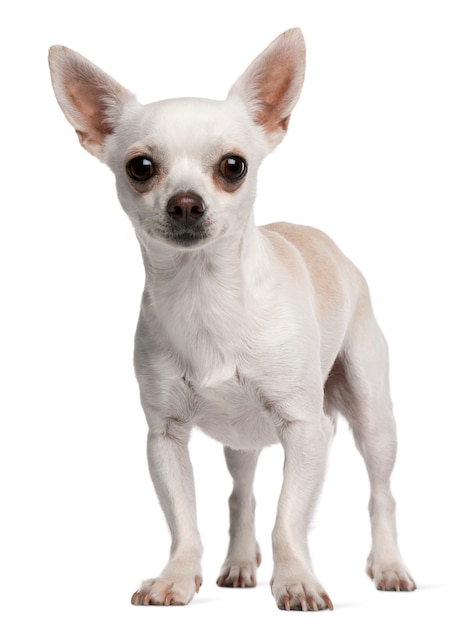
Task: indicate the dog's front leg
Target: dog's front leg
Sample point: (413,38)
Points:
(294,584)
(243,557)
(171,472)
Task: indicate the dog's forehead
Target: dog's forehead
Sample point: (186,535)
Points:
(193,124)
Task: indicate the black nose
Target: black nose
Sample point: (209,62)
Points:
(185,208)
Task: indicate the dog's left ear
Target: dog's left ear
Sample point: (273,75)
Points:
(90,99)
(271,85)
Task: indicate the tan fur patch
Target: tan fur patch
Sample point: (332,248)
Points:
(328,267)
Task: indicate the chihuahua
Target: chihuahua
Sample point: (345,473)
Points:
(256,335)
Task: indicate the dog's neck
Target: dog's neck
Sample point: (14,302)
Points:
(201,300)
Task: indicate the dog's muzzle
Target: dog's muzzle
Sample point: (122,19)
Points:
(185,212)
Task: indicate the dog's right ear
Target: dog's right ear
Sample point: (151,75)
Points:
(90,99)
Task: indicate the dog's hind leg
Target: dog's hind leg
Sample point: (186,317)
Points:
(359,386)
(243,557)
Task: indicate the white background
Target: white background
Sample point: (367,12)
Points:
(370,158)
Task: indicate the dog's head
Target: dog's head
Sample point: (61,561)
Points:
(185,168)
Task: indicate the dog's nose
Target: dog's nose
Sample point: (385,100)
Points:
(186,208)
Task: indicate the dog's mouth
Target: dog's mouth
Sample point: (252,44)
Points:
(181,237)
(188,238)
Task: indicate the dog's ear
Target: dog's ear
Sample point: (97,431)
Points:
(271,85)
(90,99)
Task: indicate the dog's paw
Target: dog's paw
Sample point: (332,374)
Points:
(302,593)
(391,578)
(239,573)
(166,591)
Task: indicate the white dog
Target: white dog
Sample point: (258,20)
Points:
(255,335)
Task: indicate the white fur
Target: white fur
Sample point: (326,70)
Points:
(256,335)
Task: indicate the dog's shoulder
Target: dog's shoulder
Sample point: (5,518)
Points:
(305,239)
(314,247)
(331,272)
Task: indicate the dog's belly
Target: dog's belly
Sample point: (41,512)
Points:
(235,417)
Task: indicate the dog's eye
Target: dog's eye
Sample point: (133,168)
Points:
(233,168)
(140,169)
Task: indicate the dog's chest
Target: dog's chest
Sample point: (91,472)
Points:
(234,414)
